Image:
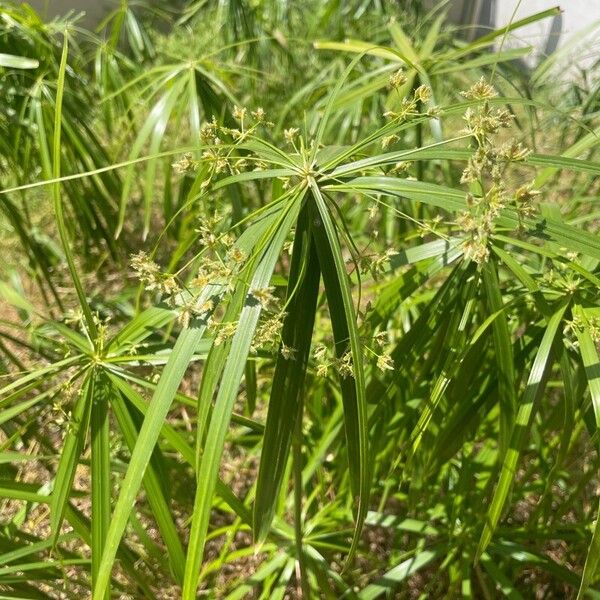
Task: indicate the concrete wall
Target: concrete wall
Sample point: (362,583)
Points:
(576,30)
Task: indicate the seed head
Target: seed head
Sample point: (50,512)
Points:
(225,332)
(476,249)
(344,366)
(388,140)
(423,93)
(397,79)
(290,134)
(322,369)
(259,115)
(381,338)
(264,296)
(385,363)
(208,131)
(239,113)
(202,279)
(236,255)
(320,352)
(185,164)
(287,352)
(481,90)
(513,151)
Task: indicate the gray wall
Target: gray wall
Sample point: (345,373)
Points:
(579,17)
(95,10)
(576,29)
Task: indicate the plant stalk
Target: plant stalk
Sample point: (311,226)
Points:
(298,533)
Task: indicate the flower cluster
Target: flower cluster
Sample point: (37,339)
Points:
(384,360)
(209,236)
(486,173)
(561,279)
(194,308)
(186,164)
(409,106)
(376,263)
(221,261)
(397,79)
(342,365)
(290,135)
(264,296)
(150,274)
(268,333)
(219,143)
(577,324)
(481,90)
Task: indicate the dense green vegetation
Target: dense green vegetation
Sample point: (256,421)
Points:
(299,299)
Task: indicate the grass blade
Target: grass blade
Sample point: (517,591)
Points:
(533,391)
(168,384)
(591,363)
(58,206)
(345,331)
(156,498)
(100,474)
(10,61)
(219,421)
(504,354)
(395,576)
(286,392)
(69,458)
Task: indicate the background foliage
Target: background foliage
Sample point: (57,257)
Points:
(299,299)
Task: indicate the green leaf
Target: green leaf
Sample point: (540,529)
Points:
(345,332)
(100,473)
(453,200)
(452,352)
(504,355)
(71,452)
(153,130)
(533,392)
(404,43)
(248,242)
(285,401)
(568,158)
(330,106)
(179,444)
(140,327)
(356,46)
(15,299)
(151,482)
(232,373)
(591,363)
(522,554)
(502,581)
(10,61)
(394,577)
(481,61)
(502,31)
(56,192)
(447,198)
(183,350)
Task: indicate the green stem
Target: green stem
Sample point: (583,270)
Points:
(100,472)
(58,207)
(298,533)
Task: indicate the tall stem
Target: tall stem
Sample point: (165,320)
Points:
(298,533)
